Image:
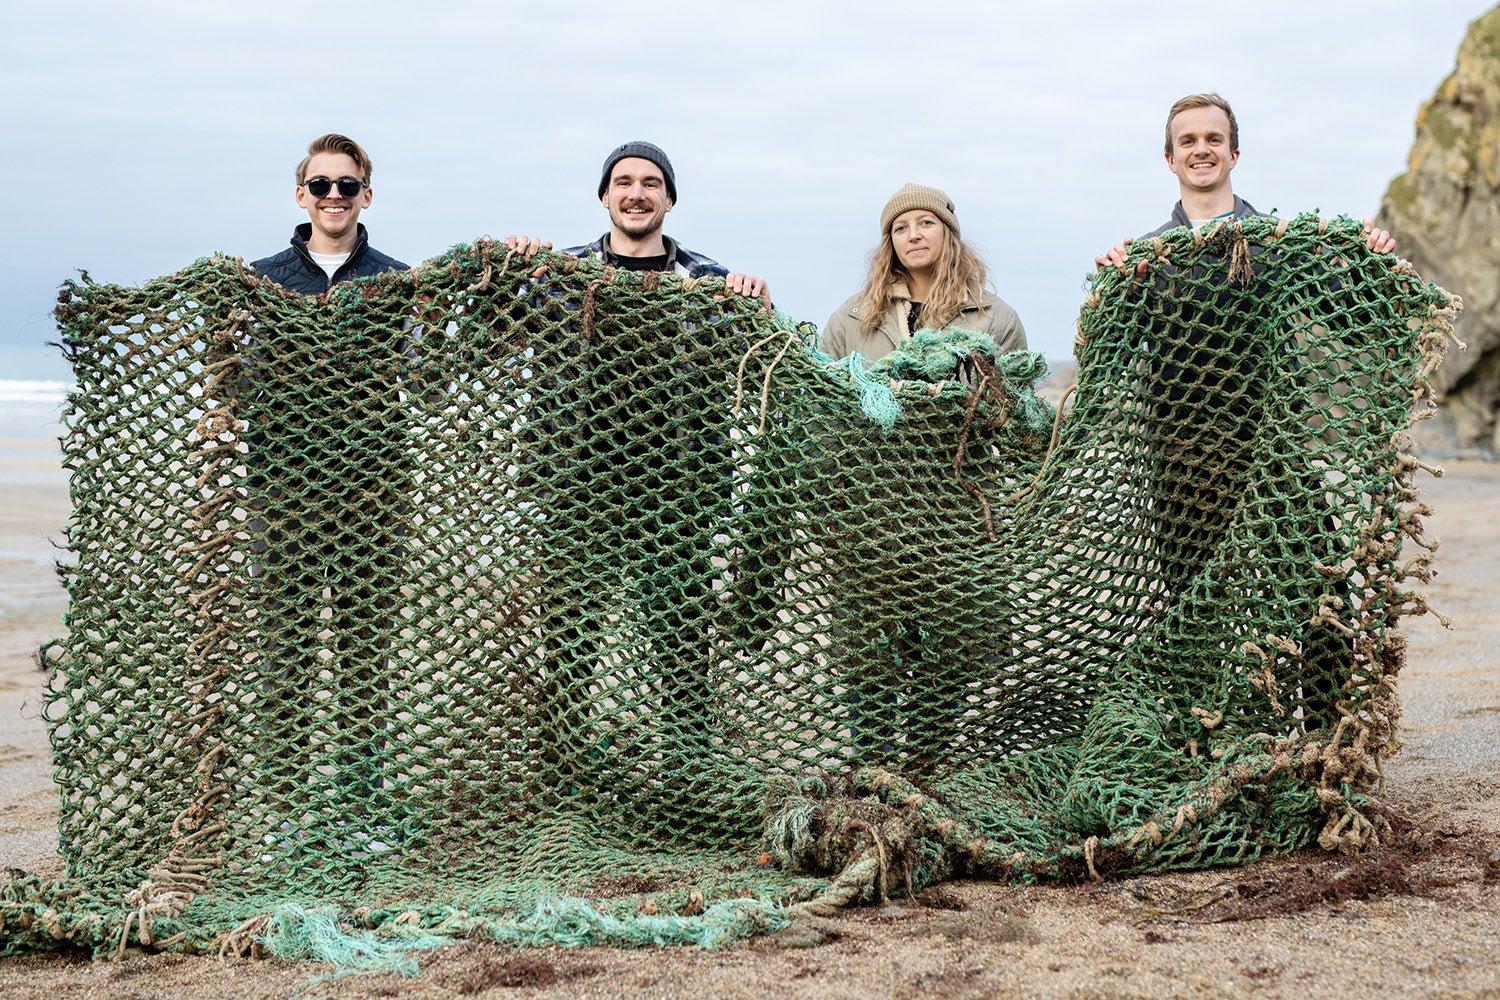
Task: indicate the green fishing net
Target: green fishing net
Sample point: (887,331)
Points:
(536,600)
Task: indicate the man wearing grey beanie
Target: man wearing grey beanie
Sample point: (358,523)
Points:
(638,187)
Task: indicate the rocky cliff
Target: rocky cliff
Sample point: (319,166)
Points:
(1445,214)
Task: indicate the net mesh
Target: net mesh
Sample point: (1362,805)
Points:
(556,603)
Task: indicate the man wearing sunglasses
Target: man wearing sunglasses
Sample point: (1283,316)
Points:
(327,519)
(333,185)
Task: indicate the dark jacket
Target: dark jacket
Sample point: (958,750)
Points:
(295,270)
(684,261)
(1242,210)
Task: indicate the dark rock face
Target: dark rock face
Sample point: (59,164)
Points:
(1445,214)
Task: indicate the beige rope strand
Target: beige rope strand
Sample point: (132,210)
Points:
(1056,426)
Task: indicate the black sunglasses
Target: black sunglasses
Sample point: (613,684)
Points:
(319,187)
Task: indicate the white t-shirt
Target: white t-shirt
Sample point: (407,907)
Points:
(329,262)
(1195,223)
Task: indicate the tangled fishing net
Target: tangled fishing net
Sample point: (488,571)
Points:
(560,604)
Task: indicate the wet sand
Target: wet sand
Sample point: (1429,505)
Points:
(1423,920)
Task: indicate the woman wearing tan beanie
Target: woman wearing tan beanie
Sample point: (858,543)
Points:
(922,276)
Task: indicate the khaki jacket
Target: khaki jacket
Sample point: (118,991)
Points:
(843,335)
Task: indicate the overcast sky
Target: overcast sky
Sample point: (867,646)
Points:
(143,135)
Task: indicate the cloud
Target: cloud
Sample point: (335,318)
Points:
(153,133)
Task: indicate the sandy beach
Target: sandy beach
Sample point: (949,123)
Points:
(1420,919)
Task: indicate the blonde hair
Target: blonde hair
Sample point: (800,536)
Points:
(1209,100)
(335,143)
(958,277)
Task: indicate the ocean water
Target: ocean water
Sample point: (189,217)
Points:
(31,473)
(30,411)
(30,425)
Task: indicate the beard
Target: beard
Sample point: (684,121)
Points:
(638,225)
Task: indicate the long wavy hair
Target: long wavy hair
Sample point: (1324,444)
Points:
(960,275)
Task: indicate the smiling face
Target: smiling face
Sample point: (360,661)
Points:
(918,238)
(1200,153)
(334,217)
(637,199)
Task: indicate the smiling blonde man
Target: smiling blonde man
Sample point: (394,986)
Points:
(333,187)
(1202,147)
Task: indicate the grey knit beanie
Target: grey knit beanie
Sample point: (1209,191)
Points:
(916,196)
(645,151)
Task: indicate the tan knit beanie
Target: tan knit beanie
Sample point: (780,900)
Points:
(916,196)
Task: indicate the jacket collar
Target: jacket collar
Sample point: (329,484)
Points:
(900,306)
(899,290)
(1242,210)
(674,256)
(302,233)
